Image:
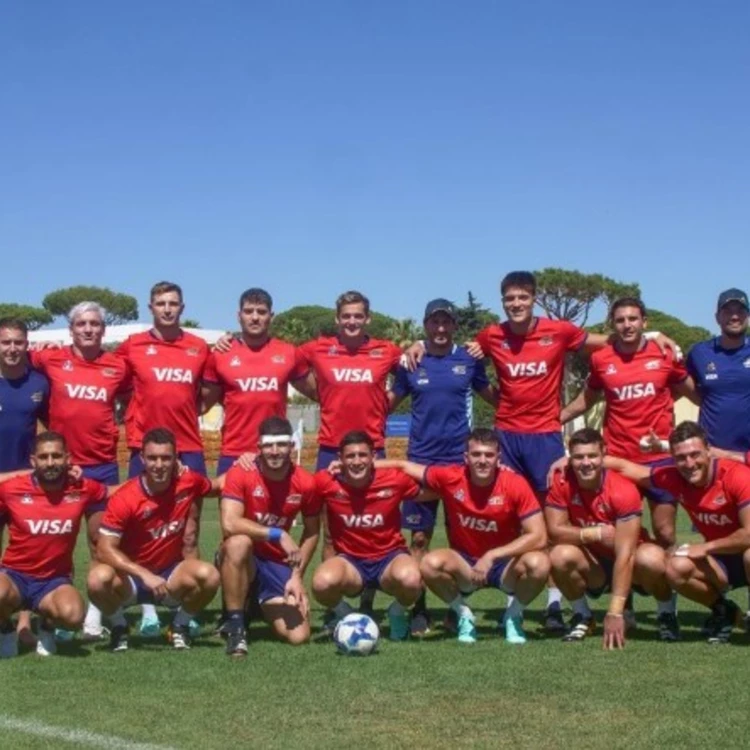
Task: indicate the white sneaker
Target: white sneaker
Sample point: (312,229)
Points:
(46,645)
(93,632)
(8,645)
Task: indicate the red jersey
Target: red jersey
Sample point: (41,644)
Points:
(712,509)
(530,372)
(638,396)
(166,385)
(254,383)
(44,525)
(365,522)
(479,519)
(272,503)
(152,527)
(351,386)
(81,404)
(617,499)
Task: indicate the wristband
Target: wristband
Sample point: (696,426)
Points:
(274,535)
(591,534)
(616,605)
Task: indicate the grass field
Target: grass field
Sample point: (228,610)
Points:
(433,693)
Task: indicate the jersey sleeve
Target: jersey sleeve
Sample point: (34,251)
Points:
(691,365)
(311,503)
(663,478)
(401,383)
(96,494)
(307,352)
(575,337)
(594,381)
(301,365)
(210,375)
(202,485)
(557,496)
(627,501)
(739,485)
(525,500)
(483,339)
(438,477)
(116,515)
(234,484)
(677,372)
(408,487)
(479,380)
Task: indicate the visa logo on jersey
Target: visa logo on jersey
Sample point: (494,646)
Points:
(366,521)
(477,524)
(635,390)
(527,369)
(167,529)
(51,527)
(269,519)
(714,519)
(173,375)
(257,384)
(86,392)
(352,375)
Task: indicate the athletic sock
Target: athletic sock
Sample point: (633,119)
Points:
(93,619)
(117,619)
(182,618)
(581,607)
(514,609)
(148,612)
(554,598)
(459,606)
(397,608)
(421,604)
(342,609)
(235,618)
(666,607)
(367,598)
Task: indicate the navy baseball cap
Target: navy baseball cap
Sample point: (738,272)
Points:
(440,305)
(732,295)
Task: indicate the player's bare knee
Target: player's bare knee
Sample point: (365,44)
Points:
(100,579)
(237,549)
(564,557)
(679,571)
(297,636)
(537,565)
(651,558)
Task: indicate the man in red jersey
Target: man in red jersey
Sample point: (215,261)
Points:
(43,510)
(167,365)
(715,493)
(495,531)
(258,508)
(594,521)
(141,544)
(85,381)
(363,514)
(251,377)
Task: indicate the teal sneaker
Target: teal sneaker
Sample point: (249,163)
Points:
(513,630)
(399,624)
(195,628)
(150,627)
(467,629)
(64,636)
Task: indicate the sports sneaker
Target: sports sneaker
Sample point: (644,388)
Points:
(450,622)
(236,644)
(420,623)
(46,645)
(194,627)
(630,622)
(64,636)
(513,630)
(554,622)
(331,618)
(709,625)
(118,638)
(91,633)
(467,630)
(149,627)
(726,615)
(8,644)
(399,624)
(179,637)
(580,627)
(669,628)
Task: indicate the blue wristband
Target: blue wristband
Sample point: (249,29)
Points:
(274,535)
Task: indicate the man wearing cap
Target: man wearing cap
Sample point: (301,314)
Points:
(441,400)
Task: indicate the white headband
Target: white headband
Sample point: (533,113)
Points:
(275,439)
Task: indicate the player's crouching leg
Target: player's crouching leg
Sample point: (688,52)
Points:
(574,572)
(63,607)
(237,572)
(192,584)
(109,592)
(524,577)
(402,580)
(650,573)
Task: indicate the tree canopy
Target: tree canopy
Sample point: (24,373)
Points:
(304,322)
(119,307)
(34,317)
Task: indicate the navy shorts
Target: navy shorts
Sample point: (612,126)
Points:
(271,578)
(33,589)
(371,569)
(142,595)
(495,576)
(224,464)
(419,516)
(194,460)
(733,568)
(105,473)
(608,566)
(530,454)
(652,494)
(326,455)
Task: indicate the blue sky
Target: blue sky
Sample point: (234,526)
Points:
(407,149)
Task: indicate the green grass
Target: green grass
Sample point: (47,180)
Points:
(434,693)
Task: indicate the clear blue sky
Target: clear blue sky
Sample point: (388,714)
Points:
(407,149)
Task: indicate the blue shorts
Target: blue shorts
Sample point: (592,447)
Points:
(733,568)
(108,474)
(652,494)
(224,464)
(194,460)
(530,454)
(326,455)
(271,578)
(608,566)
(495,576)
(32,589)
(419,516)
(142,595)
(371,569)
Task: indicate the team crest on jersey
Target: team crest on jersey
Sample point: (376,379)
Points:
(37,397)
(611,370)
(67,366)
(235,362)
(333,351)
(278,359)
(294,499)
(340,495)
(180,496)
(72,497)
(721,500)
(109,372)
(151,350)
(505,345)
(576,500)
(546,341)
(384,493)
(459,369)
(605,508)
(192,352)
(27,500)
(147,513)
(258,491)
(496,500)
(377,354)
(652,364)
(459,496)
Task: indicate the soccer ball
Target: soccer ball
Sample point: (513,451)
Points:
(356,635)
